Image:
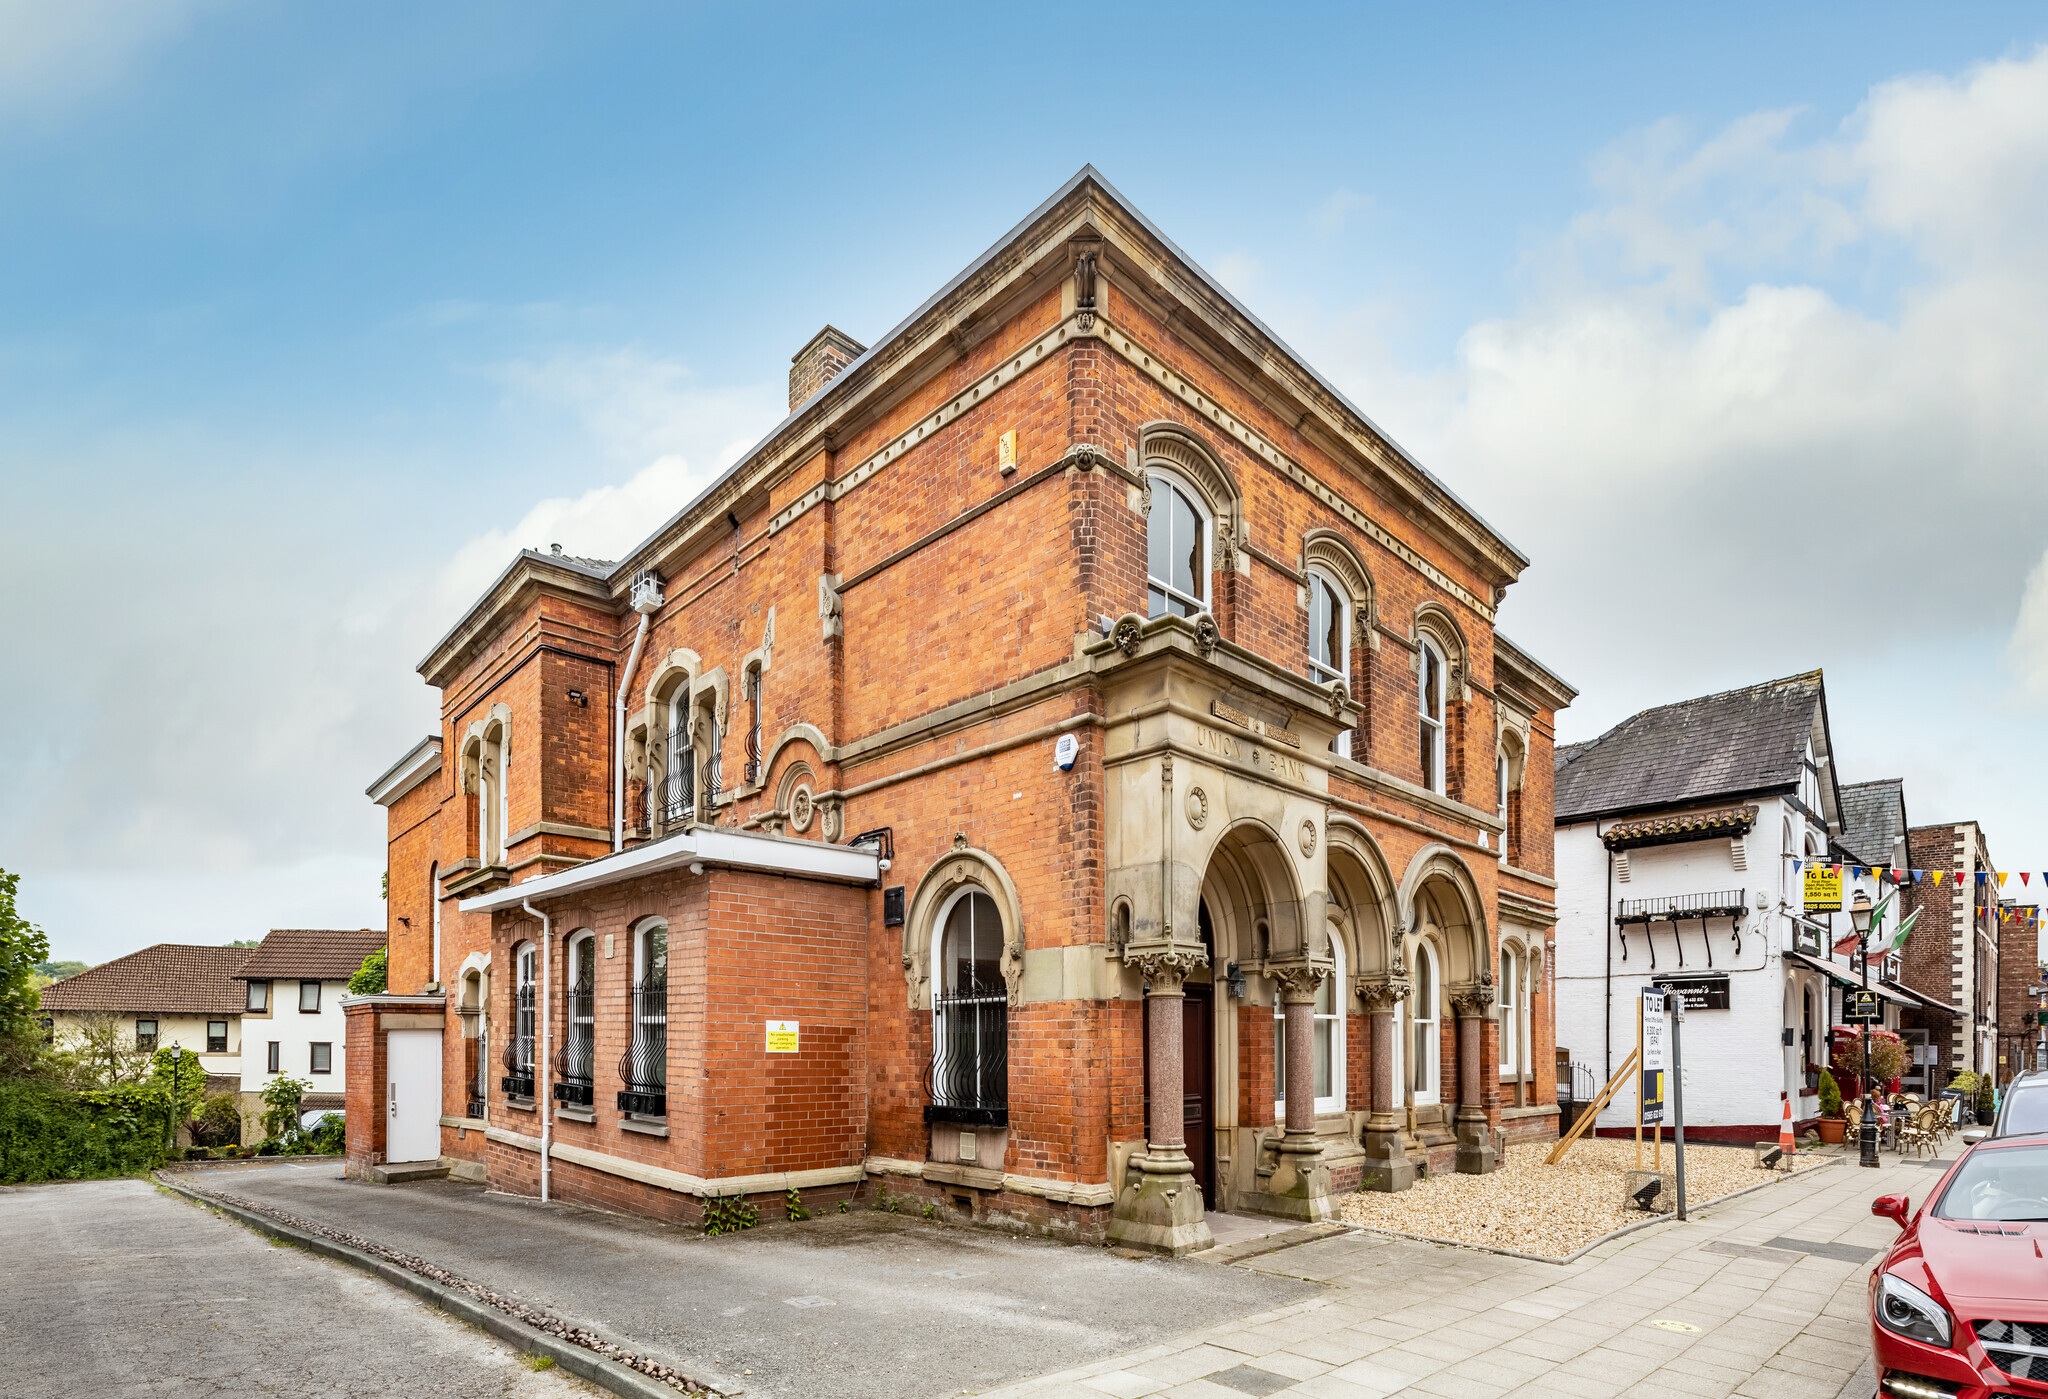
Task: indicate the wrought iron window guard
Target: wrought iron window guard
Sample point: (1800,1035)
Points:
(1682,908)
(480,1088)
(968,1079)
(643,1068)
(679,788)
(518,1060)
(576,1060)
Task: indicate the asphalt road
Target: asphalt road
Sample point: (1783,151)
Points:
(114,1288)
(856,1306)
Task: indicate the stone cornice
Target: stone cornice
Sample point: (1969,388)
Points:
(525,578)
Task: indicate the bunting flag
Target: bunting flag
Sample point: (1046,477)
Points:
(1937,877)
(2001,880)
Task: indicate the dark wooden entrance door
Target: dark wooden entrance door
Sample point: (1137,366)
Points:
(1198,1117)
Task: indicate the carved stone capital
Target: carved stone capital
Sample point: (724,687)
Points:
(1298,981)
(1475,999)
(1167,965)
(1382,993)
(1206,634)
(1125,633)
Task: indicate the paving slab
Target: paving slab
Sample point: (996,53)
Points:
(906,1306)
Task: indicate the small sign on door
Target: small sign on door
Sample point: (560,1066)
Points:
(782,1037)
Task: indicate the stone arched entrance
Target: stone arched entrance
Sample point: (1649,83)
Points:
(1365,912)
(1449,953)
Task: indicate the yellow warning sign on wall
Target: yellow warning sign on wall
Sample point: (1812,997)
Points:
(782,1037)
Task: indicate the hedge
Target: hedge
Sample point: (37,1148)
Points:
(51,1133)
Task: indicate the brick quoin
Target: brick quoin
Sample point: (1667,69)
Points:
(924,628)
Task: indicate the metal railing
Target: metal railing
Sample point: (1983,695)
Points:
(969,1077)
(518,1056)
(480,1085)
(1723,903)
(679,787)
(1576,1090)
(643,1068)
(753,768)
(576,1060)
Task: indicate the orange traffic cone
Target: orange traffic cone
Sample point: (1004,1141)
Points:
(1785,1142)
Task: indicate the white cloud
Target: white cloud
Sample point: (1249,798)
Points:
(2027,653)
(57,53)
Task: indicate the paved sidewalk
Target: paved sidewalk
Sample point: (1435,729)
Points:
(1422,1319)
(837,1307)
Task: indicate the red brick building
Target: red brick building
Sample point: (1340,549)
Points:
(1066,772)
(2022,1039)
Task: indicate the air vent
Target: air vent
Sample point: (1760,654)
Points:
(1621,867)
(1738,853)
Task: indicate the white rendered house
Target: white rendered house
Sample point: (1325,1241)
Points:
(292,1022)
(1678,833)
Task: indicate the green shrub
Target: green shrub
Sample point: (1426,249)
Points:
(371,977)
(1830,1095)
(281,1099)
(218,1121)
(51,1133)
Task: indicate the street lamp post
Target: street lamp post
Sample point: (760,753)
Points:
(177,1068)
(1866,1136)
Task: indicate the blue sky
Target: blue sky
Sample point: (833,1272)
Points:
(307,319)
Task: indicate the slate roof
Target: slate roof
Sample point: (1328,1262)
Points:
(170,978)
(311,954)
(1718,746)
(1873,816)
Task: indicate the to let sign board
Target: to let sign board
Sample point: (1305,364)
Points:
(1823,889)
(1656,1060)
(1708,992)
(1862,1008)
(782,1037)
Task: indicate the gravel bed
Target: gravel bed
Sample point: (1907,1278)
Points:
(1550,1211)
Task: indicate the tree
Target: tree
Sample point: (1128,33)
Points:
(98,1052)
(281,1105)
(370,978)
(48,973)
(23,948)
(182,1079)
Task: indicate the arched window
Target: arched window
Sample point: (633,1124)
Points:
(1176,549)
(1329,639)
(679,791)
(576,1063)
(1329,1042)
(1431,673)
(518,1057)
(970,1068)
(434,916)
(1510,1013)
(477,1031)
(644,1066)
(1500,789)
(1424,1045)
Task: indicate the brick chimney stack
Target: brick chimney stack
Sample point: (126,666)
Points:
(819,362)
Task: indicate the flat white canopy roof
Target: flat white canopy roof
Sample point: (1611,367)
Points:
(808,859)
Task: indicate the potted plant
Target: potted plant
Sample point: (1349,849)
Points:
(1964,1086)
(1833,1126)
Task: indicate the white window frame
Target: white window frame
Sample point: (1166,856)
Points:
(1428,970)
(313,1057)
(1510,1013)
(1322,673)
(313,1009)
(945,915)
(577,941)
(434,893)
(1434,776)
(258,997)
(1335,1101)
(1501,767)
(1205,525)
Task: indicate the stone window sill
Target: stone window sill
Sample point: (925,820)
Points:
(575,1115)
(519,1104)
(645,1126)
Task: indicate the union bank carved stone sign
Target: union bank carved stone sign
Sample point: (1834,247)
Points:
(1235,750)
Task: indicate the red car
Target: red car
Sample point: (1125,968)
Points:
(1959,1306)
